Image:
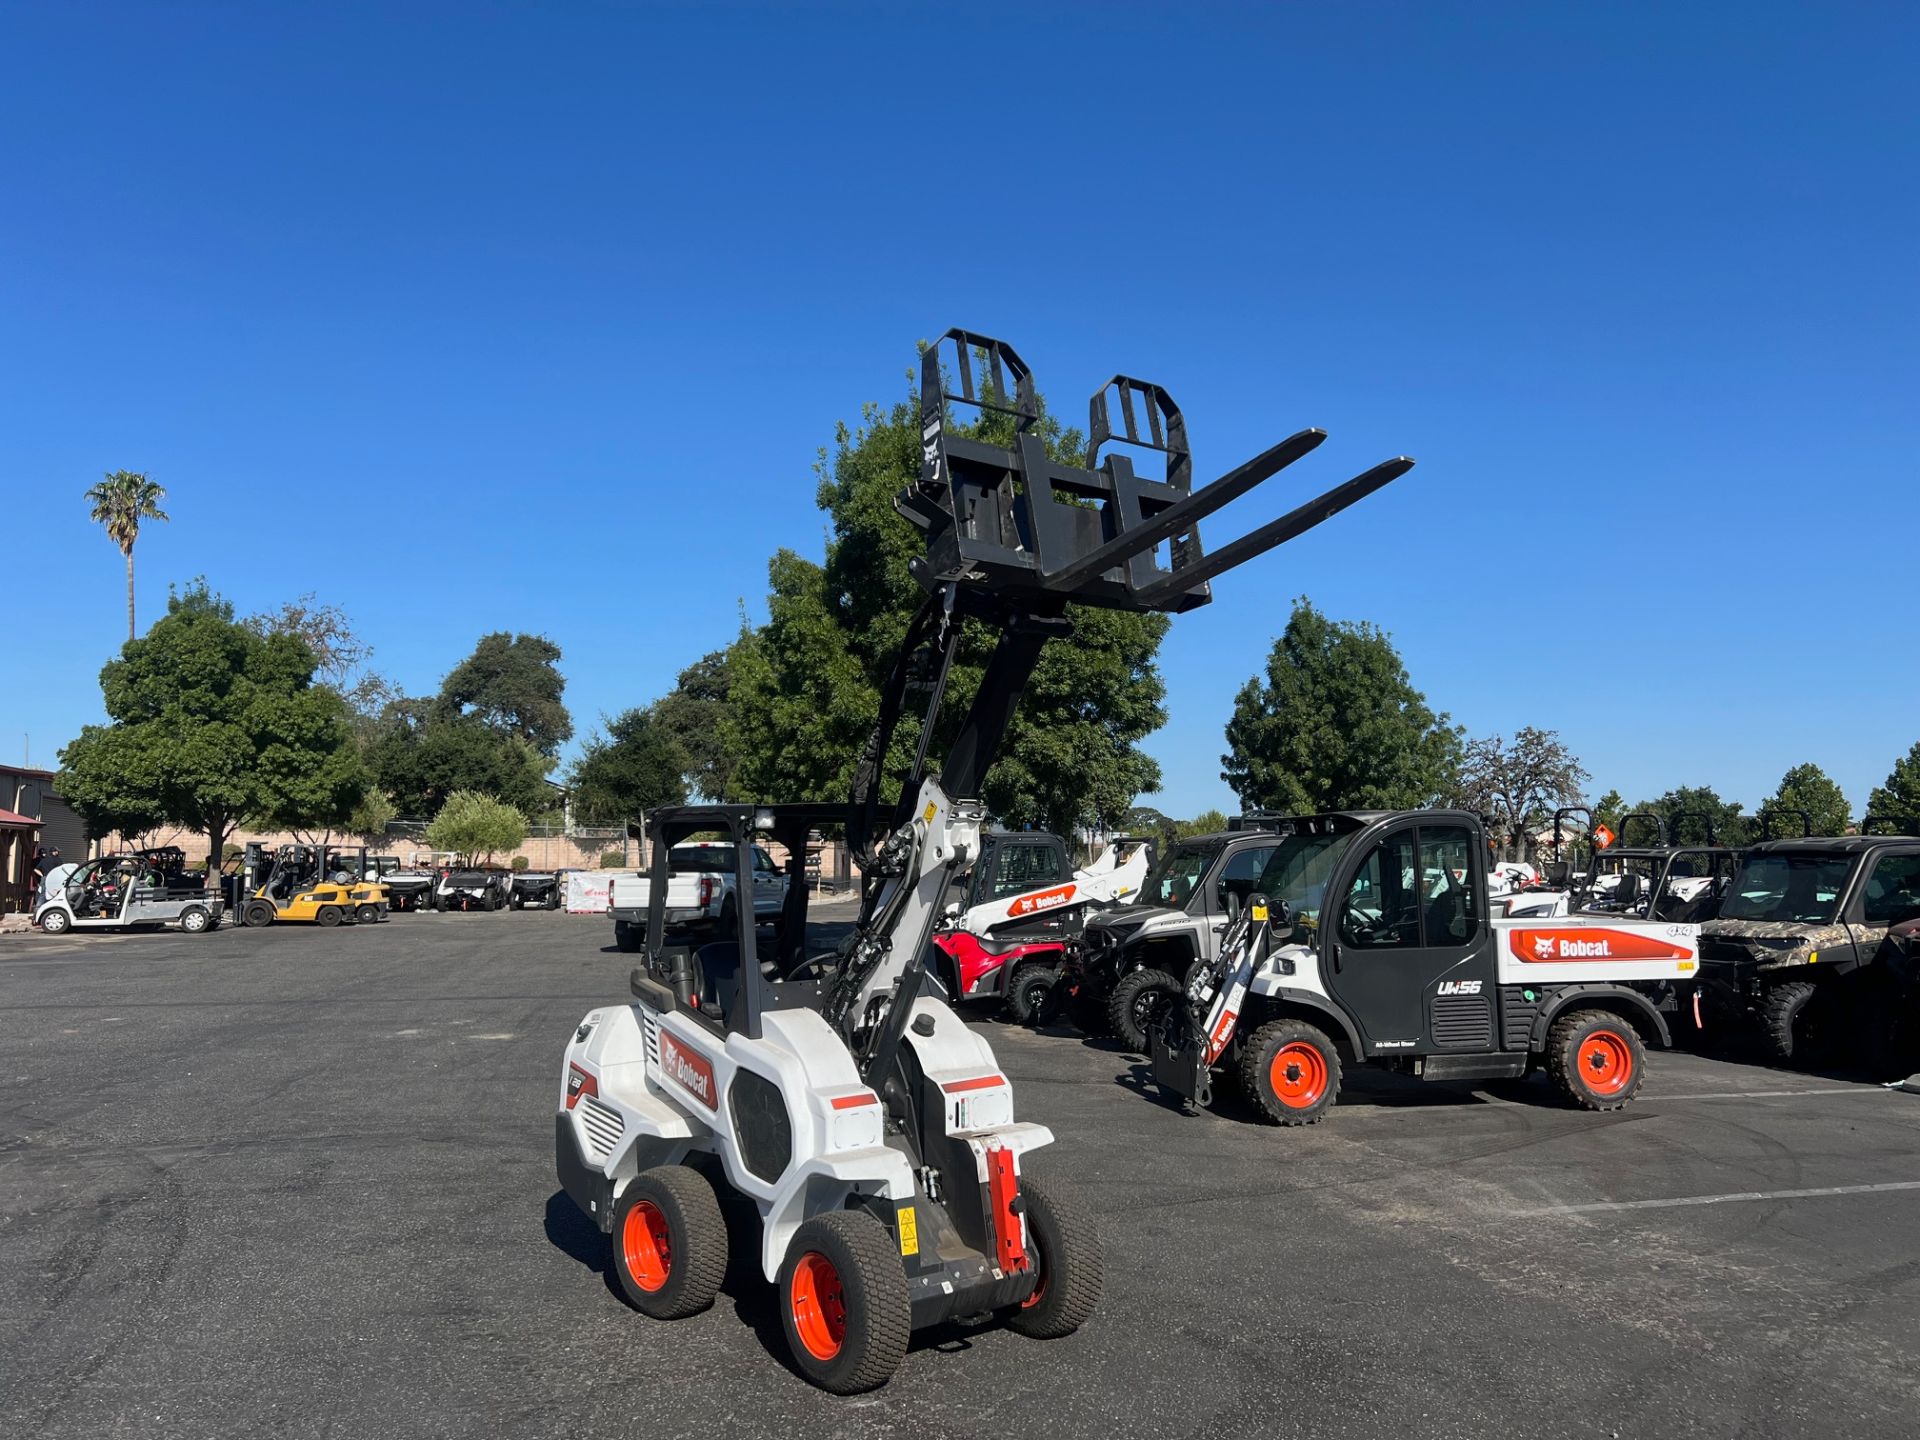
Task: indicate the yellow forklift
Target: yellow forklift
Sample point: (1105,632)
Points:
(290,884)
(349,865)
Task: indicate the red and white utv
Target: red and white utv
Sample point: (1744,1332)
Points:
(1006,931)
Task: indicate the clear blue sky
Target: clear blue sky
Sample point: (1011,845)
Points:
(475,317)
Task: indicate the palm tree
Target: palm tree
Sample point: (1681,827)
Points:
(120,503)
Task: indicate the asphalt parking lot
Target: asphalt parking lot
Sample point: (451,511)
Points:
(300,1183)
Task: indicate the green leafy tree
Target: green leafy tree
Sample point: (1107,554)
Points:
(1901,794)
(111,778)
(1145,820)
(1207,822)
(804,688)
(693,714)
(635,766)
(1683,809)
(212,723)
(421,755)
(1336,724)
(1608,809)
(1809,788)
(512,683)
(370,817)
(120,503)
(475,827)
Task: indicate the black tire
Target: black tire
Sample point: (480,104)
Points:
(327,916)
(669,1242)
(553,900)
(1595,1059)
(1290,1069)
(1792,1021)
(843,1302)
(56,922)
(368,915)
(630,938)
(196,920)
(259,912)
(729,918)
(1138,1003)
(1030,991)
(1067,1255)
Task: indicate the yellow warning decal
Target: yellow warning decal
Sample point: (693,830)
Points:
(1259,913)
(909,1231)
(1685,966)
(931,811)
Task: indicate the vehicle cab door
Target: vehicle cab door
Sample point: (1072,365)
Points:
(1888,895)
(769,883)
(1408,947)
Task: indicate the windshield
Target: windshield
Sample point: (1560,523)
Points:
(700,859)
(713,859)
(1299,870)
(1175,878)
(1800,889)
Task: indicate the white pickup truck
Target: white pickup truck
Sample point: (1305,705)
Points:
(701,890)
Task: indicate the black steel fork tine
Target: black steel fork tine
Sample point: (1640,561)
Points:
(1275,532)
(1184,514)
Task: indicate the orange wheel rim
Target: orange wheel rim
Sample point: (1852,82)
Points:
(1298,1075)
(645,1247)
(1606,1062)
(819,1306)
(1039,1291)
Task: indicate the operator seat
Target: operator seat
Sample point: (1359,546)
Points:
(1627,892)
(716,980)
(1446,917)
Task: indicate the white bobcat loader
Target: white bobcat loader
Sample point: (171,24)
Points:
(874,1134)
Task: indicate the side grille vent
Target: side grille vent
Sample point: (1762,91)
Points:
(602,1124)
(1462,1021)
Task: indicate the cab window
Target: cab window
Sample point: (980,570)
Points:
(762,862)
(1449,915)
(1382,909)
(1020,868)
(1893,891)
(1241,874)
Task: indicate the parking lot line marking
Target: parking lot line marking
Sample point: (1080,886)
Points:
(1680,1200)
(1771,1094)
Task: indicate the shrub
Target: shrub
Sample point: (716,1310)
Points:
(520,862)
(474,825)
(613,860)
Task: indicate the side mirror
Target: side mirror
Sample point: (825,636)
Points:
(1233,905)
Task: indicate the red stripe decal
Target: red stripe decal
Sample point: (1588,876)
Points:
(853,1102)
(979,1082)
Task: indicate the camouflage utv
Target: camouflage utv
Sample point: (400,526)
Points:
(1801,950)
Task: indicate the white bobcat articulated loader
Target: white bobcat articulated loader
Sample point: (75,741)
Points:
(874,1134)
